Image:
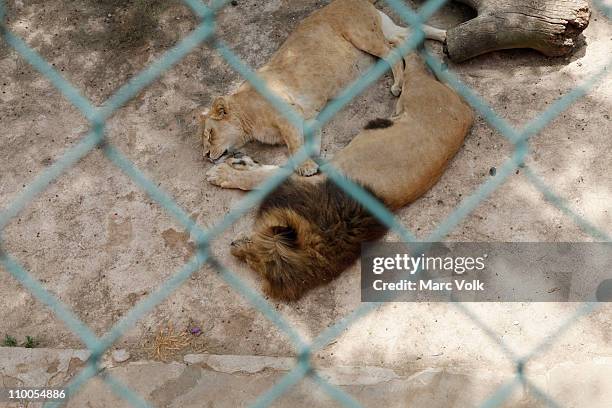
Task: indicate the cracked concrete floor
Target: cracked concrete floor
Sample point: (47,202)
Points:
(99,244)
(203,380)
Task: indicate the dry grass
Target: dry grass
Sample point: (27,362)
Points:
(168,342)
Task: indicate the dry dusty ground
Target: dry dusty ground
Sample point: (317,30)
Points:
(97,242)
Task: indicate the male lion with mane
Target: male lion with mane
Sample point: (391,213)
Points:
(308,231)
(314,64)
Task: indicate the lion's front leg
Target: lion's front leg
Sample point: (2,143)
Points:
(294,141)
(239,172)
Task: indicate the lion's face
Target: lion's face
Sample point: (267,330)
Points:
(221,131)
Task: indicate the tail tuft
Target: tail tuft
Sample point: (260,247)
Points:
(379,123)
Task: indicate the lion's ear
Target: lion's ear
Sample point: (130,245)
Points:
(285,234)
(219,108)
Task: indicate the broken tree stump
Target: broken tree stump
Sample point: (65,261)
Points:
(549,26)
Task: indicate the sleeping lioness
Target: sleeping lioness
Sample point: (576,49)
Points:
(314,64)
(309,230)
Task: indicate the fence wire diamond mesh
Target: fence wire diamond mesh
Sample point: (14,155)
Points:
(205,33)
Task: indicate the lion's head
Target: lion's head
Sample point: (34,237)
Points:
(304,236)
(285,250)
(221,129)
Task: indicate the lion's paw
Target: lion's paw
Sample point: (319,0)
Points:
(242,162)
(221,175)
(396,90)
(308,168)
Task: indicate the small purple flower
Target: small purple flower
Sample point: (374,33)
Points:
(196,331)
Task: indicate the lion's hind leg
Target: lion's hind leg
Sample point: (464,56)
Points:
(395,34)
(372,40)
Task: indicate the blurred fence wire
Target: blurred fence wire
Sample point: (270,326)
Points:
(205,33)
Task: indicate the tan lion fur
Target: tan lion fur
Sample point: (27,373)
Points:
(308,230)
(316,62)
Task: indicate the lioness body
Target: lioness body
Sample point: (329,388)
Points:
(308,230)
(315,63)
(401,162)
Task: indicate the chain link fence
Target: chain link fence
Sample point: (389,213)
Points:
(205,33)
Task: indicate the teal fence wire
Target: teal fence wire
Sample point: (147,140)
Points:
(205,33)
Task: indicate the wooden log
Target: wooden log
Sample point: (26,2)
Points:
(549,26)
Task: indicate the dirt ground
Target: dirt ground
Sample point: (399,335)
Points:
(97,242)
